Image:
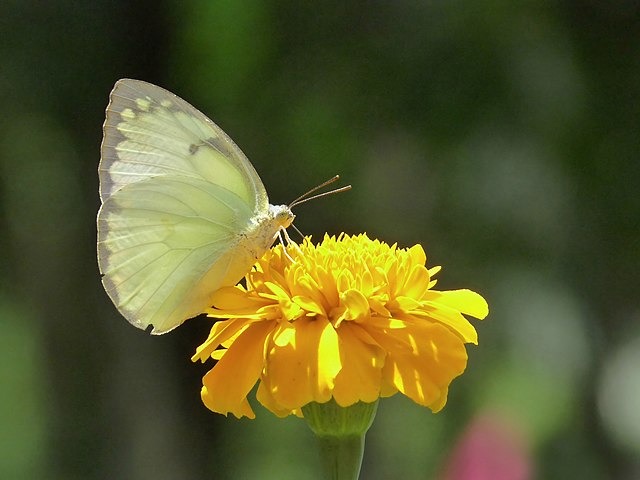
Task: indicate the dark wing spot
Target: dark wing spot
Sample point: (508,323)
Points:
(215,143)
(218,144)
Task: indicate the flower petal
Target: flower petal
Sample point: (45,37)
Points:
(417,282)
(229,382)
(438,357)
(356,304)
(264,396)
(417,255)
(243,409)
(362,362)
(303,370)
(328,287)
(466,301)
(450,317)
(220,332)
(310,305)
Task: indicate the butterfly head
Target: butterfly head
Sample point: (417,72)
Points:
(282,214)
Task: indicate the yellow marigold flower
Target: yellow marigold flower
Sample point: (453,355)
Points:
(351,319)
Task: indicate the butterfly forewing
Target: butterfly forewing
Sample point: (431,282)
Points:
(149,131)
(180,207)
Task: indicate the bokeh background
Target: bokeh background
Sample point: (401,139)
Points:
(502,136)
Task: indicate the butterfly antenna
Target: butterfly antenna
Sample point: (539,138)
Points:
(305,197)
(322,185)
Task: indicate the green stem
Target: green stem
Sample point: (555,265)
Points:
(341,456)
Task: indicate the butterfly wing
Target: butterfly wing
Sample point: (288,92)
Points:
(177,196)
(149,131)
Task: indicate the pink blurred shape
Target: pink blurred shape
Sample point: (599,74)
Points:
(491,448)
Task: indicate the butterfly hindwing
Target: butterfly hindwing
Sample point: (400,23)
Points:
(164,243)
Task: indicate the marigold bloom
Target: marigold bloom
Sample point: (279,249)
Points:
(352,319)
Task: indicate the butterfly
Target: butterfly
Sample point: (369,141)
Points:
(183,211)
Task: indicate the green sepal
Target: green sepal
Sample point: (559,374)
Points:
(340,432)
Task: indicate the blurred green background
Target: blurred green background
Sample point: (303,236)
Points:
(502,136)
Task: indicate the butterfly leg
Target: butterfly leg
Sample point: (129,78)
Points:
(283,232)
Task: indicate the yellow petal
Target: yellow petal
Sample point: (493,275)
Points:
(329,362)
(309,305)
(416,283)
(277,290)
(440,402)
(309,289)
(452,318)
(405,304)
(243,409)
(220,332)
(417,254)
(356,304)
(466,301)
(377,305)
(365,280)
(303,370)
(231,298)
(344,281)
(289,309)
(218,354)
(362,362)
(284,335)
(231,379)
(264,396)
(328,287)
(422,375)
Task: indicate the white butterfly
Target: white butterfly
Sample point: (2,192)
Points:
(183,210)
